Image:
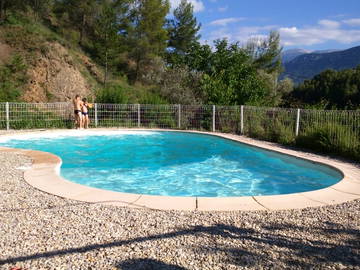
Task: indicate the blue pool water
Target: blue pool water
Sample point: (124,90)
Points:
(176,164)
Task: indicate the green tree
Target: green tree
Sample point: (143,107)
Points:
(328,90)
(181,86)
(199,57)
(230,78)
(80,14)
(147,36)
(110,26)
(266,59)
(8,5)
(266,53)
(39,7)
(183,32)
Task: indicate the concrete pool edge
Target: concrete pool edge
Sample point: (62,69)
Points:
(44,176)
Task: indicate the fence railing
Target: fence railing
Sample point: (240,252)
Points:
(340,129)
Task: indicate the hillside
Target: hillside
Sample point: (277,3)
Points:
(53,69)
(308,65)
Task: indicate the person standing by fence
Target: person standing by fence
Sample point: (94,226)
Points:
(77,110)
(85,113)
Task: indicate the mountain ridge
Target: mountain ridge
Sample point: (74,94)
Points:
(306,66)
(291,54)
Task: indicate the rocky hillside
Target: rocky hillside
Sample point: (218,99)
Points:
(308,65)
(55,77)
(55,70)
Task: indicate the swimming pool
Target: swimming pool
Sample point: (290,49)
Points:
(176,164)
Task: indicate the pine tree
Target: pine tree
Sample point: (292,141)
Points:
(266,53)
(109,29)
(147,36)
(106,31)
(2,10)
(81,14)
(266,58)
(6,5)
(183,32)
(39,7)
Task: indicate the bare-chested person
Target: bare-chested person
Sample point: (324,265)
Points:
(85,113)
(77,110)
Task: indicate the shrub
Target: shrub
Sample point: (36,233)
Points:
(280,132)
(150,97)
(330,138)
(12,78)
(112,95)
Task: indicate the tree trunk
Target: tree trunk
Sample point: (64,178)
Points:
(137,71)
(36,10)
(82,29)
(106,68)
(2,10)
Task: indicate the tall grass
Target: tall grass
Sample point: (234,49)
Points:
(332,132)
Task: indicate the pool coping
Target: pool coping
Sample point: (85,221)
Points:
(44,175)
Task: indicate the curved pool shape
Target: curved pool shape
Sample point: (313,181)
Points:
(176,164)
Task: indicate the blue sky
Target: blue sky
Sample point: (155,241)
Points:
(307,24)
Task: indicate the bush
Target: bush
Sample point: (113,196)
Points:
(111,95)
(151,97)
(331,138)
(181,86)
(12,78)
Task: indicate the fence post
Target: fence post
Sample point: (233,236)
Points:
(138,114)
(297,122)
(213,118)
(7,116)
(179,116)
(96,115)
(242,119)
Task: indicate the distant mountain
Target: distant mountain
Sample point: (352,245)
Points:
(306,66)
(289,55)
(326,51)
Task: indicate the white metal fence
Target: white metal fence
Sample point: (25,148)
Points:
(341,128)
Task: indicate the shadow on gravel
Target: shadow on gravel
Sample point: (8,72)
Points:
(146,264)
(273,245)
(301,251)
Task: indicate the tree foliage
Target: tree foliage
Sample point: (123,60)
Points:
(183,33)
(109,30)
(147,35)
(266,53)
(234,75)
(329,90)
(80,15)
(230,78)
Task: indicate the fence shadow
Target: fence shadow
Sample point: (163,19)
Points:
(146,264)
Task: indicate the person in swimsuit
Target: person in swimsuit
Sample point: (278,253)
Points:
(85,113)
(77,110)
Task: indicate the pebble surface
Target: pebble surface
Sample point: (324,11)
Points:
(42,231)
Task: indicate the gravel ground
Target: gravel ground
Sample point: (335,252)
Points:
(41,231)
